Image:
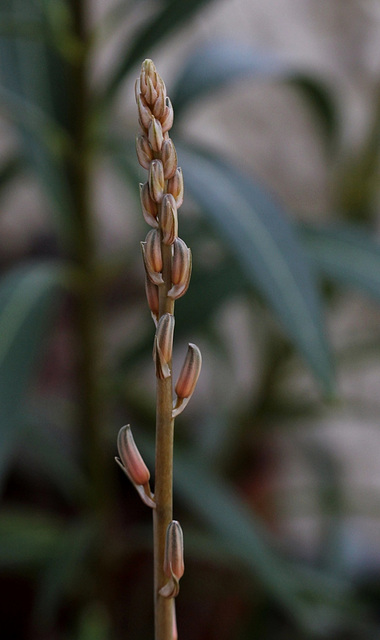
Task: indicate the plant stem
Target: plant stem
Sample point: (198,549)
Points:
(163,514)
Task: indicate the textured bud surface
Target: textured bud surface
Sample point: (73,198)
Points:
(190,372)
(168,219)
(156,180)
(131,458)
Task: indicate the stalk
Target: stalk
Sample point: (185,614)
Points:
(167,262)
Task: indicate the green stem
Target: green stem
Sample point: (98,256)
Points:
(163,514)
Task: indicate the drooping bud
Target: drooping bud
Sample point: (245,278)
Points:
(168,116)
(175,186)
(149,207)
(155,135)
(152,297)
(163,345)
(152,255)
(187,379)
(156,180)
(169,158)
(173,561)
(181,269)
(133,465)
(145,114)
(144,151)
(168,219)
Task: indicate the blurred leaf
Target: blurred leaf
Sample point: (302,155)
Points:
(27,540)
(10,168)
(256,229)
(95,623)
(218,64)
(27,301)
(346,254)
(170,17)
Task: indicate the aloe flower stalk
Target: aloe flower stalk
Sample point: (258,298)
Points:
(167,262)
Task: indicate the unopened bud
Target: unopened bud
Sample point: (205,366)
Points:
(159,106)
(163,345)
(150,94)
(187,379)
(156,180)
(168,219)
(155,134)
(145,114)
(149,207)
(144,151)
(168,116)
(131,458)
(169,158)
(181,269)
(173,561)
(175,186)
(152,256)
(152,297)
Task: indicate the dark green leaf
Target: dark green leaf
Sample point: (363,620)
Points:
(256,230)
(28,298)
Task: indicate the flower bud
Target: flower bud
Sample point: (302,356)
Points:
(152,256)
(163,345)
(152,297)
(155,135)
(150,94)
(188,378)
(145,114)
(159,106)
(173,561)
(169,158)
(175,186)
(156,180)
(144,151)
(130,456)
(168,116)
(168,219)
(181,269)
(149,207)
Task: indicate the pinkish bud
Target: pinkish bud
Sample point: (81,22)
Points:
(131,458)
(168,117)
(168,219)
(156,180)
(175,186)
(181,269)
(152,256)
(155,135)
(163,345)
(144,151)
(169,158)
(187,379)
(149,207)
(173,562)
(145,114)
(159,106)
(150,94)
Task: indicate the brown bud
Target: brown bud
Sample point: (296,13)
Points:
(181,269)
(155,135)
(149,207)
(156,180)
(168,219)
(145,114)
(169,158)
(144,151)
(152,256)
(175,186)
(134,465)
(150,94)
(190,372)
(152,297)
(168,116)
(159,106)
(173,561)
(163,345)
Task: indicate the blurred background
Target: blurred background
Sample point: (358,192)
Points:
(277,473)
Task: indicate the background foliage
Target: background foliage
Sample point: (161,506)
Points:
(75,342)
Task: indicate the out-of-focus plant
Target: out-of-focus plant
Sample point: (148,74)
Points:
(69,535)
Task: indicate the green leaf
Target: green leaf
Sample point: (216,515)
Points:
(346,254)
(256,230)
(170,17)
(218,64)
(28,297)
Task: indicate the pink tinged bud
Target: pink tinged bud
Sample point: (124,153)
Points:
(133,465)
(163,345)
(168,116)
(175,186)
(155,135)
(169,158)
(150,94)
(145,114)
(152,255)
(173,561)
(149,207)
(152,297)
(156,180)
(159,106)
(168,219)
(181,269)
(144,151)
(187,379)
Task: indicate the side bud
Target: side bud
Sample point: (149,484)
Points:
(144,151)
(173,561)
(163,345)
(155,135)
(168,116)
(133,465)
(181,269)
(187,379)
(168,219)
(169,158)
(175,186)
(145,114)
(156,180)
(149,207)
(152,255)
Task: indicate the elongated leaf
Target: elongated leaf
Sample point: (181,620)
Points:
(171,16)
(218,64)
(345,254)
(256,229)
(28,297)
